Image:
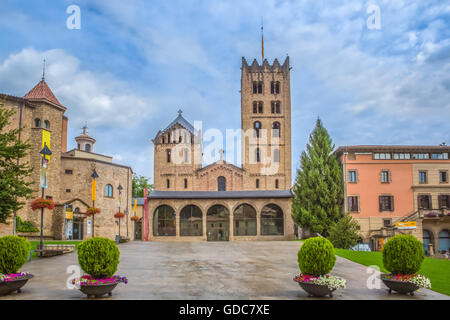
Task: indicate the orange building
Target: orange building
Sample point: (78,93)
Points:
(385,185)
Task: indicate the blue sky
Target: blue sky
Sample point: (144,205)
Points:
(133,64)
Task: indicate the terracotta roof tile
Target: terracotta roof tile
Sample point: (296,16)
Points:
(42,91)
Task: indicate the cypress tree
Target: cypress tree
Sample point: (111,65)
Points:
(318,189)
(14,182)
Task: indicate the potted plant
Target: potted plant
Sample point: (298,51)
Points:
(40,203)
(99,258)
(14,253)
(135,218)
(92,211)
(316,258)
(402,257)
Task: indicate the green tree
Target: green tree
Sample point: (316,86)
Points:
(139,184)
(14,174)
(318,189)
(344,233)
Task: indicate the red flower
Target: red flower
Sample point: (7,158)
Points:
(119,215)
(42,203)
(91,211)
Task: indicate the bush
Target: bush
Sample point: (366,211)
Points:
(403,254)
(98,257)
(344,233)
(25,226)
(14,253)
(316,256)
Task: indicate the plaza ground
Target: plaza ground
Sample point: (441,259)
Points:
(205,270)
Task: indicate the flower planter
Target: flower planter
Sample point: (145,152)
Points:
(403,287)
(6,287)
(97,290)
(316,290)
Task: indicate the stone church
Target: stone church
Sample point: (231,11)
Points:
(221,201)
(41,117)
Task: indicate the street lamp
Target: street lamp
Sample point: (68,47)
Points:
(94,176)
(120,188)
(44,152)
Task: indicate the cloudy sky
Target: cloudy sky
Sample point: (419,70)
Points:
(134,63)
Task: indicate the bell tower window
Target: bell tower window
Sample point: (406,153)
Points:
(257,87)
(275,87)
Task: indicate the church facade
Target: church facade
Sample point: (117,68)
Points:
(221,201)
(42,119)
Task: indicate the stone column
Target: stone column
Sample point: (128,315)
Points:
(146,220)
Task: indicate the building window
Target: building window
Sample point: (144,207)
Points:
(258,107)
(68,190)
(385,176)
(191,223)
(257,183)
(381,156)
(78,146)
(276,129)
(352,176)
(168,154)
(68,171)
(257,87)
(423,177)
(272,221)
(164,221)
(353,203)
(275,87)
(221,184)
(46,124)
(424,201)
(386,203)
(402,156)
(443,176)
(275,107)
(255,107)
(276,155)
(387,222)
(277,184)
(421,156)
(37,123)
(185,183)
(108,191)
(257,128)
(439,156)
(87,147)
(168,183)
(244,220)
(258,155)
(186,156)
(444,201)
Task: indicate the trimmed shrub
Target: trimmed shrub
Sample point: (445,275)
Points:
(14,253)
(316,256)
(403,254)
(99,257)
(25,226)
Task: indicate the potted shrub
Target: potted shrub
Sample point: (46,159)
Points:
(402,257)
(316,258)
(14,253)
(99,258)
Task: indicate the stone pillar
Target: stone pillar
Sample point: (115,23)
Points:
(205,235)
(430,250)
(145,226)
(230,218)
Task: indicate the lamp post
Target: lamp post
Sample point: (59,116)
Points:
(94,177)
(44,152)
(120,188)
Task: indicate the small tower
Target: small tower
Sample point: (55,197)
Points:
(84,141)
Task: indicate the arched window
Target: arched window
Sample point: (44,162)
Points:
(244,220)
(275,87)
(276,129)
(257,128)
(37,123)
(255,107)
(191,221)
(108,191)
(168,154)
(272,221)
(218,223)
(87,147)
(276,155)
(444,241)
(260,107)
(258,155)
(164,221)
(277,184)
(46,124)
(221,184)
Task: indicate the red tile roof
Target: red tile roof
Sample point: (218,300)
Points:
(42,91)
(392,148)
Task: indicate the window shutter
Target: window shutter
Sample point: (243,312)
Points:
(392,203)
(380,204)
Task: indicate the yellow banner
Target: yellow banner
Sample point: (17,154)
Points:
(135,204)
(69,215)
(94,187)
(406,225)
(46,140)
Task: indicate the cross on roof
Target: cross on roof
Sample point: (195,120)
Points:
(85,127)
(221,152)
(180,112)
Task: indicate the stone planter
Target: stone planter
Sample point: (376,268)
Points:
(316,290)
(402,287)
(97,290)
(10,286)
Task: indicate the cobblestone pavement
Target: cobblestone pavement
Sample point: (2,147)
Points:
(205,270)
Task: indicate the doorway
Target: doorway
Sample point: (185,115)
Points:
(78,229)
(138,230)
(218,223)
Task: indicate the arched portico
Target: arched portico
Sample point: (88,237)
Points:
(218,223)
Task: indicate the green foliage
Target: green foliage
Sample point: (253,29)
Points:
(318,189)
(99,257)
(139,184)
(14,253)
(14,182)
(403,254)
(25,226)
(316,256)
(344,233)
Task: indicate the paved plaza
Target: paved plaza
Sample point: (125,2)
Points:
(204,270)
